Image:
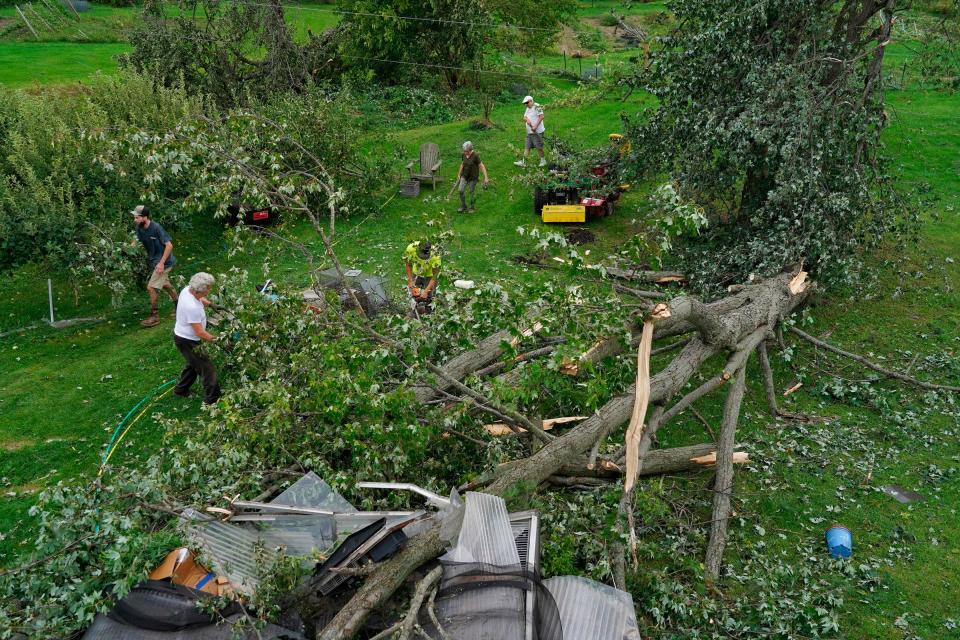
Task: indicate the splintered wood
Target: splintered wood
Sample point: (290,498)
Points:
(739,457)
(635,430)
(499,429)
(526,333)
(572,367)
(798,284)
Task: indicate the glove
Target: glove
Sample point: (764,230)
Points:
(416,292)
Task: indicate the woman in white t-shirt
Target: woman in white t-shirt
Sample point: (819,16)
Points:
(533,121)
(188,332)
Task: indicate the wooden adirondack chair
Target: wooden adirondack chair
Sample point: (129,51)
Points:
(429,164)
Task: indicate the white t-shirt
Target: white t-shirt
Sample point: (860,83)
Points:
(189,311)
(532,114)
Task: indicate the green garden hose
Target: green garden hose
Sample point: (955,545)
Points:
(114,439)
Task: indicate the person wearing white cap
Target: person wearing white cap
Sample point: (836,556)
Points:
(533,120)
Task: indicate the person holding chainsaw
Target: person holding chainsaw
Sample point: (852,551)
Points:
(159,246)
(423,268)
(468,175)
(188,334)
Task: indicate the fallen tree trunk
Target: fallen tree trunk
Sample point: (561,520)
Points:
(731,325)
(656,462)
(459,367)
(641,275)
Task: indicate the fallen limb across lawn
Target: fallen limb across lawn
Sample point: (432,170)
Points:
(735,326)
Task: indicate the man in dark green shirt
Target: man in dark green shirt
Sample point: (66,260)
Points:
(468,174)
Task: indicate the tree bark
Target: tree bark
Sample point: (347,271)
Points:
(769,388)
(746,315)
(459,367)
(723,486)
(655,462)
(382,584)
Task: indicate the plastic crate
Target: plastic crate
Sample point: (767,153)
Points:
(564,213)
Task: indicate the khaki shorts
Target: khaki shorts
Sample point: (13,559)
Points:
(159,280)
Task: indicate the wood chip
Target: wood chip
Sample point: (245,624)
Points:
(792,389)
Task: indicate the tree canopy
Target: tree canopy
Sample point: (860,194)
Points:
(769,118)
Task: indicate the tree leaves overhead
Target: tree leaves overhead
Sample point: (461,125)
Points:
(769,117)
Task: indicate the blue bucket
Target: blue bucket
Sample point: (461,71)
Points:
(839,541)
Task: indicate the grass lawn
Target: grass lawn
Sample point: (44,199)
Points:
(33,64)
(69,388)
(74,50)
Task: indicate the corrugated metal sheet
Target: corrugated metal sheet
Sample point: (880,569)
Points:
(235,552)
(589,609)
(485,535)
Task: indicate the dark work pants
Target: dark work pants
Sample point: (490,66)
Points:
(197,364)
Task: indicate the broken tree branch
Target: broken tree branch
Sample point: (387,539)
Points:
(751,313)
(769,388)
(723,485)
(459,367)
(419,595)
(870,365)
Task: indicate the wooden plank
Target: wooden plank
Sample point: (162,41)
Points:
(29,26)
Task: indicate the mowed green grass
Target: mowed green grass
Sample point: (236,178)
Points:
(76,50)
(40,64)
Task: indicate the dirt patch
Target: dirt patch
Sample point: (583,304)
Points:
(22,489)
(531,260)
(15,445)
(580,236)
(616,35)
(569,43)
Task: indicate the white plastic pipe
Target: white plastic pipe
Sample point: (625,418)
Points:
(50,297)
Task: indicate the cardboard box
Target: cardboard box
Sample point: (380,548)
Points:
(180,567)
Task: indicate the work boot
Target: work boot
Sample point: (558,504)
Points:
(471,209)
(519,163)
(152,320)
(543,162)
(461,210)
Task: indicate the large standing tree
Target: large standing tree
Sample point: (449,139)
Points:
(769,117)
(399,38)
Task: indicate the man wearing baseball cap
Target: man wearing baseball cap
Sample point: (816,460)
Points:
(422,263)
(533,120)
(159,246)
